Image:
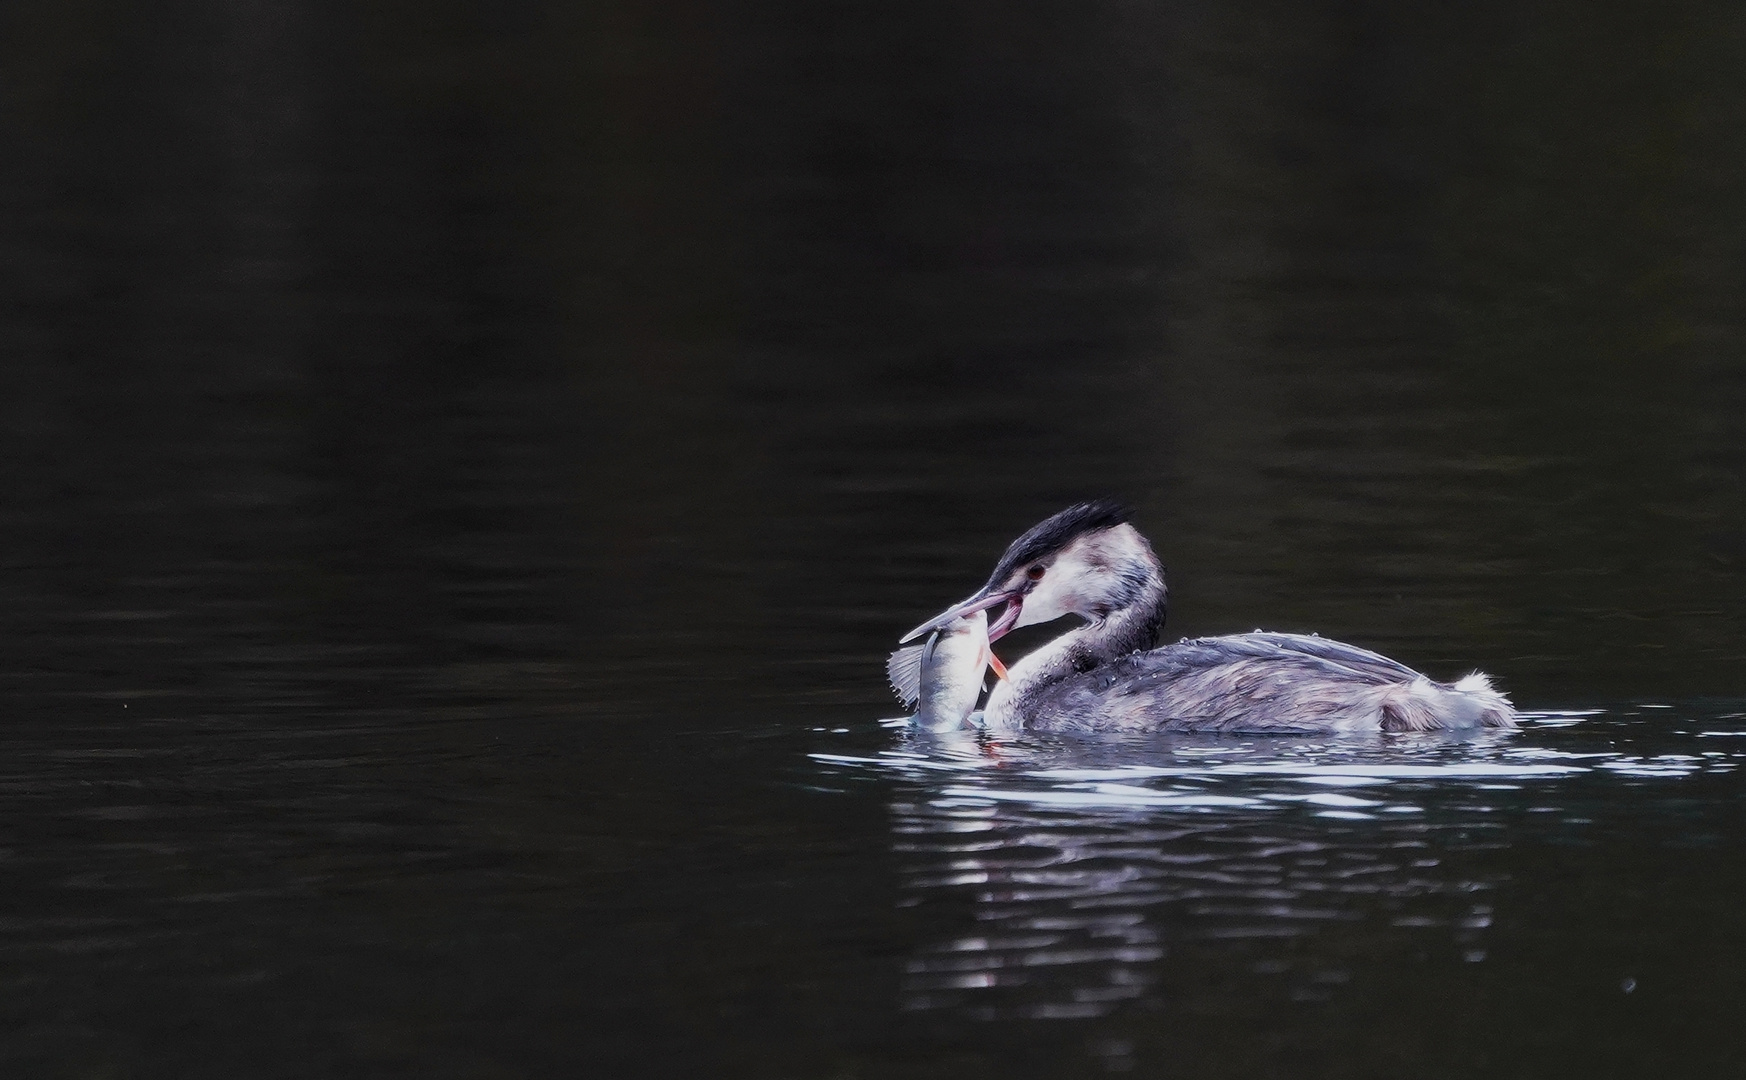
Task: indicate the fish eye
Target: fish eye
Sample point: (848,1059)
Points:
(1035,573)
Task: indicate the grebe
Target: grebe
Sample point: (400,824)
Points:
(1107,676)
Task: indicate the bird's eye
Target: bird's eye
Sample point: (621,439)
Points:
(1035,573)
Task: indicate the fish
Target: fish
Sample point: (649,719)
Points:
(942,677)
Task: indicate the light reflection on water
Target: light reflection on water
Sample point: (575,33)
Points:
(1086,867)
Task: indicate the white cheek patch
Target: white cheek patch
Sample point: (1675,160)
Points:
(1059,592)
(1045,604)
(1084,578)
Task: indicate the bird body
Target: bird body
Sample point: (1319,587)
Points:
(1251,683)
(1107,676)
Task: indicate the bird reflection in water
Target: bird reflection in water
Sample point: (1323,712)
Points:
(1085,880)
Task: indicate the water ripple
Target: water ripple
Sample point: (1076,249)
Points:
(1085,869)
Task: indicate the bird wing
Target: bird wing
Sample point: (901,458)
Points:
(1373,668)
(1374,665)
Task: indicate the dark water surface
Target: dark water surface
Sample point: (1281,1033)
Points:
(465,465)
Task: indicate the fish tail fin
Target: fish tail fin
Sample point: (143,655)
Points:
(904,671)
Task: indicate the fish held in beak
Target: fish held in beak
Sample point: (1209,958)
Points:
(942,677)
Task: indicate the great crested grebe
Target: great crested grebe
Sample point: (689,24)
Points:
(1107,676)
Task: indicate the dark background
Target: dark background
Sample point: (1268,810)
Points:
(453,453)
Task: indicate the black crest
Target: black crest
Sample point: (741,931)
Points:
(1055,533)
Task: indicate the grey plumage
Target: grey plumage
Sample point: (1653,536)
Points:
(1259,683)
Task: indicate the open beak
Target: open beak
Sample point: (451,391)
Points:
(1009,618)
(980,602)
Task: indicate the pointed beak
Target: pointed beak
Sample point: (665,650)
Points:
(982,601)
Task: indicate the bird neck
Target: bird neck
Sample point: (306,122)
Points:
(1124,630)
(1134,627)
(1130,628)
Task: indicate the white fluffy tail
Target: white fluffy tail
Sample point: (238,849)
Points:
(1423,705)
